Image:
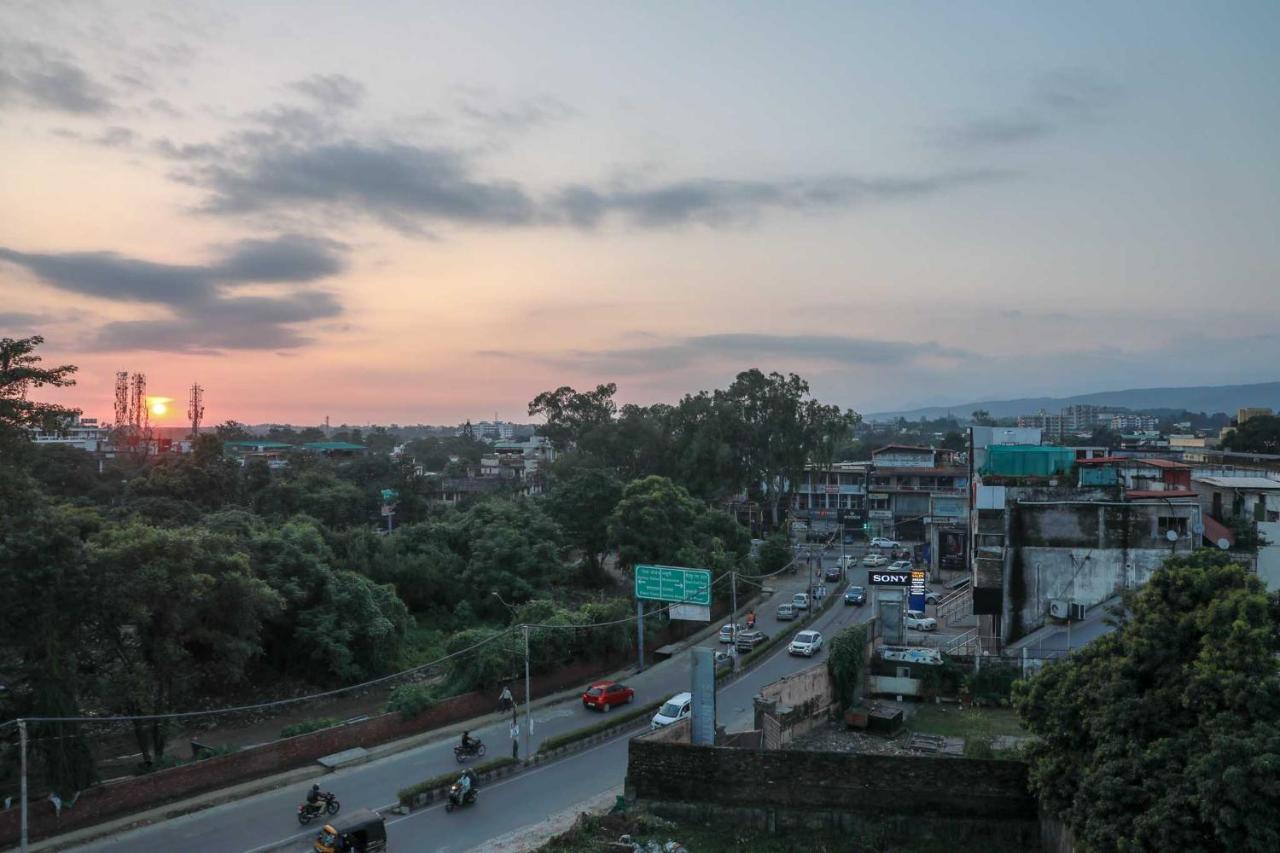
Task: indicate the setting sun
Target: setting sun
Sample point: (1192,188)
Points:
(159,406)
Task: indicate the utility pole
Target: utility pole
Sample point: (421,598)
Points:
(733,616)
(22,740)
(640,632)
(528,699)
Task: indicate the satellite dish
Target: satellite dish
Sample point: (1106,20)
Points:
(1171,535)
(1224,544)
(1198,528)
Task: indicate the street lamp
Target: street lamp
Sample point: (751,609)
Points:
(528,711)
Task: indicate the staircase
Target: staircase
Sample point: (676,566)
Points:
(956,610)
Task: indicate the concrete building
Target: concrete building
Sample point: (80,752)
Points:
(1134,423)
(1243,415)
(81,433)
(984,437)
(1256,498)
(1050,425)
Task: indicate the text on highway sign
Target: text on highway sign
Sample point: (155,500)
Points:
(671,583)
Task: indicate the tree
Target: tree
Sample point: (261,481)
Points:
(1165,734)
(981,417)
(232,431)
(653,521)
(955,440)
(571,414)
(774,554)
(1259,434)
(20,371)
(581,503)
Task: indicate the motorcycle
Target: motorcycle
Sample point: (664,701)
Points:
(463,753)
(327,804)
(457,799)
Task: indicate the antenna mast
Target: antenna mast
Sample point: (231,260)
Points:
(195,409)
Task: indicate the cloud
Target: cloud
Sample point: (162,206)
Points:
(115,137)
(684,353)
(1056,101)
(482,108)
(32,75)
(206,312)
(16,321)
(333,91)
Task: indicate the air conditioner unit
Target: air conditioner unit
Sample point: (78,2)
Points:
(1058,608)
(1077,612)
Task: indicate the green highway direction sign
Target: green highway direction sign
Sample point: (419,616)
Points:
(671,583)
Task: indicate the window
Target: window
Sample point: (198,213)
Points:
(1166,523)
(881,502)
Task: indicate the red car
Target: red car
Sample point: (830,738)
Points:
(603,695)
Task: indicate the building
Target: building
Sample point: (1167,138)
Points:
(1050,425)
(983,437)
(832,499)
(276,453)
(1243,415)
(1085,418)
(1129,423)
(1054,536)
(81,433)
(1256,498)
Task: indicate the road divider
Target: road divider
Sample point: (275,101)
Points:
(613,725)
(428,791)
(747,661)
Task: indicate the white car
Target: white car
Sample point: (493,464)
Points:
(900,566)
(882,542)
(917,621)
(730,632)
(874,560)
(800,601)
(676,709)
(807,643)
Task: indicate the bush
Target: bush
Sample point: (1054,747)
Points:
(845,662)
(609,721)
(410,700)
(308,726)
(993,683)
(407,794)
(978,747)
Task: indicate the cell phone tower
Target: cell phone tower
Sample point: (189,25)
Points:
(139,416)
(122,401)
(195,409)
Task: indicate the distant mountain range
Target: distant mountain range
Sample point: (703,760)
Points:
(1203,398)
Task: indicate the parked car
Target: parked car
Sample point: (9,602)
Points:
(603,695)
(728,632)
(786,612)
(848,561)
(931,597)
(748,640)
(833,573)
(807,643)
(855,595)
(676,709)
(900,566)
(800,601)
(916,620)
(874,560)
(882,542)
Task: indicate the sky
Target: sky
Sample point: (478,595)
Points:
(424,212)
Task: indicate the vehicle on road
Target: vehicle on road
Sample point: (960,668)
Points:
(326,803)
(883,542)
(676,709)
(848,561)
(833,573)
(800,601)
(786,612)
(475,750)
(855,595)
(603,695)
(917,621)
(462,795)
(874,560)
(807,643)
(363,831)
(748,640)
(931,597)
(728,632)
(900,566)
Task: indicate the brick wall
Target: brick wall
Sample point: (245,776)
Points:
(125,796)
(826,781)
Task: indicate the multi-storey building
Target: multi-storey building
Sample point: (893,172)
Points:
(1050,425)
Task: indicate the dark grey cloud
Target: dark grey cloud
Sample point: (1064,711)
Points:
(207,313)
(1056,101)
(35,76)
(683,353)
(18,321)
(332,91)
(115,137)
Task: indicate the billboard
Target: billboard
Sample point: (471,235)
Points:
(915,600)
(890,578)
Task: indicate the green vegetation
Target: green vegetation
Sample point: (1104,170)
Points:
(406,795)
(949,720)
(609,721)
(1165,733)
(308,726)
(846,662)
(1259,434)
(410,700)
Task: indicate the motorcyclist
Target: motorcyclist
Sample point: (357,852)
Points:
(469,743)
(468,782)
(314,796)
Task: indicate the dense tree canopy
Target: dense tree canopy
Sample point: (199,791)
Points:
(1259,434)
(1165,734)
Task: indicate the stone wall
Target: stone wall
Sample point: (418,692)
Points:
(973,804)
(795,703)
(125,796)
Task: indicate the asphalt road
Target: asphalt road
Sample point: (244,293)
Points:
(265,820)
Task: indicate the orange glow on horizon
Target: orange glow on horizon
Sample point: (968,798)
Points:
(159,406)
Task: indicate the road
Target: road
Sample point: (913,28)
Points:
(267,819)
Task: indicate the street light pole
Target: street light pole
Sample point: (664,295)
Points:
(528,698)
(22,740)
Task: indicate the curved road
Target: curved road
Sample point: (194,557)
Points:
(265,821)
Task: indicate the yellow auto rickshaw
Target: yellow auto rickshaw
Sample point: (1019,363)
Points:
(360,831)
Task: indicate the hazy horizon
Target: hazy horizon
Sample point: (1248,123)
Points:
(414,214)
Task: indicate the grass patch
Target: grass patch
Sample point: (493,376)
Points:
(308,726)
(407,794)
(973,723)
(610,720)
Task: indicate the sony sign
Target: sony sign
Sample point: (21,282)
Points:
(891,578)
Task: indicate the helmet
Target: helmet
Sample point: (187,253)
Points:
(315,789)
(328,827)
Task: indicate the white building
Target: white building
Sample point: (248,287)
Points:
(83,433)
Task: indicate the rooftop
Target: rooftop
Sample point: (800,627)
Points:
(333,445)
(1166,463)
(258,443)
(1255,483)
(1160,493)
(903,447)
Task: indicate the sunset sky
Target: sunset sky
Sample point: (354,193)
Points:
(425,212)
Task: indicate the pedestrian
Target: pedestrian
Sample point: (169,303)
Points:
(504,698)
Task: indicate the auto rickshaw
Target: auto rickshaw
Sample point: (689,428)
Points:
(361,831)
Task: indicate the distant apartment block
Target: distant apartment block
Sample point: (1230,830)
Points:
(1050,425)
(1243,415)
(1127,423)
